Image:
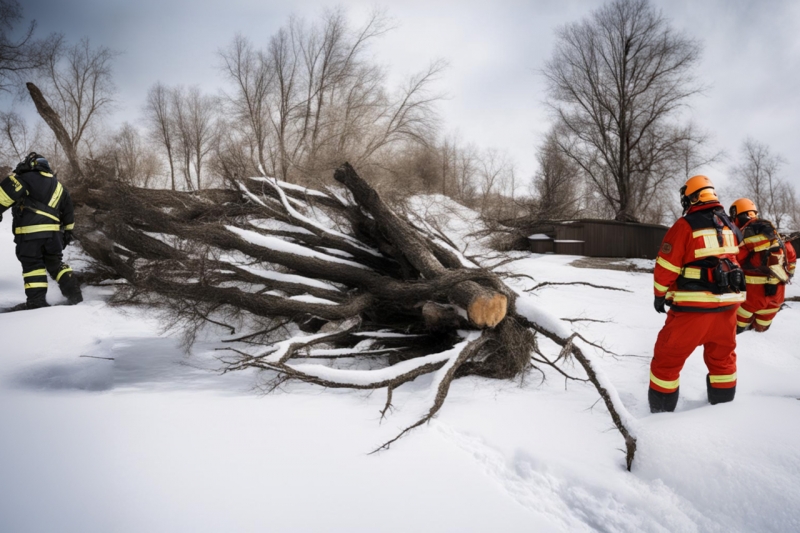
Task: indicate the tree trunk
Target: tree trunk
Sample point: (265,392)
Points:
(485,307)
(52,119)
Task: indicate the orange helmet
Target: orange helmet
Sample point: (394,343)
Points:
(698,190)
(743,206)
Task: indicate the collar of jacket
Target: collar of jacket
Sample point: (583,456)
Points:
(702,207)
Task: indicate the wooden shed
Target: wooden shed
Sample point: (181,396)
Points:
(598,238)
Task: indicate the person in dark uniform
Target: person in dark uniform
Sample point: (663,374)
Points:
(43,222)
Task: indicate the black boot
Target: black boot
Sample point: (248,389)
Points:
(662,402)
(70,287)
(36,304)
(75,298)
(716,396)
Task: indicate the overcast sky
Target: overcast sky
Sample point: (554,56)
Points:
(751,60)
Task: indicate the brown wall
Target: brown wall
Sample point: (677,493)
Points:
(602,238)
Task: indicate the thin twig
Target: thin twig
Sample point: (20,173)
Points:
(262,332)
(444,386)
(630,440)
(546,283)
(388,405)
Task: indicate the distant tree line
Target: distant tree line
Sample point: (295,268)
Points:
(311,97)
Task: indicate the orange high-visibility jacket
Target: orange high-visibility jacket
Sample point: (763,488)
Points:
(760,245)
(692,248)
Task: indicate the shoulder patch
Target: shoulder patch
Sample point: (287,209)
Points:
(666,248)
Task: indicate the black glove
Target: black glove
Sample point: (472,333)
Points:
(67,238)
(21,167)
(659,304)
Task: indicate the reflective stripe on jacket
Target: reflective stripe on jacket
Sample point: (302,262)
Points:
(682,254)
(762,241)
(41,204)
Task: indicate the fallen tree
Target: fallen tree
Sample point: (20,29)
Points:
(315,277)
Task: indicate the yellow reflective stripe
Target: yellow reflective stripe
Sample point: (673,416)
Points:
(705,252)
(763,322)
(760,280)
(46,174)
(692,272)
(756,238)
(704,233)
(727,378)
(742,324)
(69,227)
(56,196)
(15,181)
(5,200)
(58,278)
(762,247)
(768,311)
(703,296)
(37,228)
(744,312)
(42,285)
(40,272)
(48,215)
(665,384)
(669,266)
(659,287)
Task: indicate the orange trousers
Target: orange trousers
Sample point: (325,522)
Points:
(760,308)
(681,334)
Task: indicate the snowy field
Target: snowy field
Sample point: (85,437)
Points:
(156,441)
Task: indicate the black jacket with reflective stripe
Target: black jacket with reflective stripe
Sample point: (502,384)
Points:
(41,205)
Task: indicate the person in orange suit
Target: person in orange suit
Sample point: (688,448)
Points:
(768,264)
(698,276)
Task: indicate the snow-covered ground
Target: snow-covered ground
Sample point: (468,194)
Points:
(154,440)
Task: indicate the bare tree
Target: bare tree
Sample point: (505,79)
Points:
(185,123)
(77,82)
(495,170)
(758,176)
(16,138)
(466,169)
(181,125)
(313,98)
(253,80)
(557,182)
(201,110)
(24,54)
(158,116)
(617,79)
(135,162)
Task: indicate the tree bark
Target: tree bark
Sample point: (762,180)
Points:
(485,307)
(52,119)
